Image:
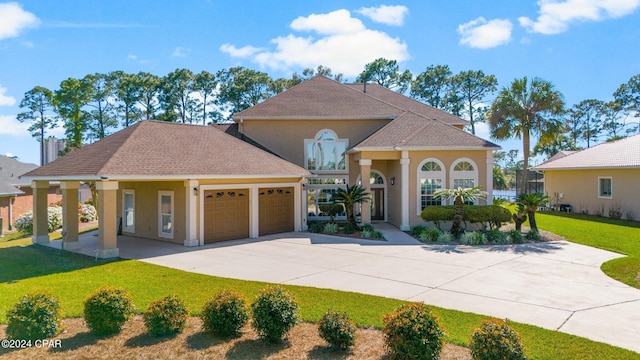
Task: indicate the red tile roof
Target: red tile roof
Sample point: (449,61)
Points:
(153,149)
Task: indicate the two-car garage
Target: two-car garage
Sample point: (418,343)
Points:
(227,212)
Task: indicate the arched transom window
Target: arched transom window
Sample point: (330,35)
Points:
(464,174)
(431,175)
(326,152)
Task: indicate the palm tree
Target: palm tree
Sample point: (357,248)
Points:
(349,197)
(531,203)
(525,109)
(460,196)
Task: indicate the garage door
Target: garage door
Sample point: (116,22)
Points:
(276,210)
(226,215)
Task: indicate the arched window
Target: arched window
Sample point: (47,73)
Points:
(464,174)
(326,152)
(431,175)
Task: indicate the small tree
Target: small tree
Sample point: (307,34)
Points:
(460,196)
(519,217)
(530,203)
(349,197)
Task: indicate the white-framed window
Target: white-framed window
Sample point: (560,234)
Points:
(320,192)
(431,178)
(128,210)
(326,152)
(464,174)
(605,187)
(165,214)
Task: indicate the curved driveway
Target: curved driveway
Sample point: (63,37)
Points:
(555,285)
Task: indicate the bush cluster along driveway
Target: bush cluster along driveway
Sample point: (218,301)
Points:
(73,277)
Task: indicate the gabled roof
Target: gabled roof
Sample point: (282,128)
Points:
(10,171)
(409,104)
(160,150)
(624,153)
(411,131)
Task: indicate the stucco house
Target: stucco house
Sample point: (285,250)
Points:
(597,180)
(273,168)
(15,193)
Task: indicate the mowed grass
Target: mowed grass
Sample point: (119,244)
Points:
(619,236)
(72,277)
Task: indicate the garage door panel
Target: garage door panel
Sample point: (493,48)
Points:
(226,215)
(276,210)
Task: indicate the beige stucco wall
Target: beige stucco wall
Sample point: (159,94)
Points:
(286,137)
(580,189)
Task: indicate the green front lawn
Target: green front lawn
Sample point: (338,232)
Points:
(72,277)
(619,236)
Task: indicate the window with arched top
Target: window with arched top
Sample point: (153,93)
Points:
(326,152)
(464,174)
(431,178)
(376,179)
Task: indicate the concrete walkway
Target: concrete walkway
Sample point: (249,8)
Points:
(555,285)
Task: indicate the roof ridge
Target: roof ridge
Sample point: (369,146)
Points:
(133,128)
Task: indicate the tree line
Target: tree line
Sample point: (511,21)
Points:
(96,105)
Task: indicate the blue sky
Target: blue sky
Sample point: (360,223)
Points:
(587,48)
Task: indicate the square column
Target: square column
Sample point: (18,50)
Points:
(404,197)
(365,173)
(40,212)
(489,177)
(191,196)
(70,214)
(107,220)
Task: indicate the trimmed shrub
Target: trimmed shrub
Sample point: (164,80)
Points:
(495,236)
(532,234)
(366,227)
(274,312)
(166,316)
(107,310)
(376,234)
(494,339)
(413,332)
(473,238)
(331,210)
(36,316)
(348,228)
(316,227)
(337,329)
(417,230)
(491,215)
(446,237)
(514,236)
(330,228)
(225,314)
(429,235)
(436,214)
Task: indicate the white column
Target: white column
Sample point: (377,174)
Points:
(489,177)
(365,173)
(191,196)
(404,183)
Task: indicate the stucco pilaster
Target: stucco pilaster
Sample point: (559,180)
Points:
(489,177)
(365,173)
(404,190)
(191,196)
(40,212)
(70,214)
(107,220)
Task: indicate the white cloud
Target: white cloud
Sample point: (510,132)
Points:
(132,57)
(389,15)
(556,16)
(9,125)
(483,34)
(6,100)
(13,20)
(181,52)
(243,52)
(342,43)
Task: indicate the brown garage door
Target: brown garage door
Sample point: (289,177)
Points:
(226,215)
(276,210)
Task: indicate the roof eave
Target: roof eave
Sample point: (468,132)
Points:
(165,177)
(543,168)
(305,117)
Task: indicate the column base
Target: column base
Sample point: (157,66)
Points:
(107,253)
(40,239)
(192,242)
(71,245)
(405,227)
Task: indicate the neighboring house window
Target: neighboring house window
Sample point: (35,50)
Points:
(605,187)
(326,152)
(320,191)
(464,174)
(431,176)
(128,211)
(165,212)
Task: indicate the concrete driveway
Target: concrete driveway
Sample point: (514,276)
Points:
(555,285)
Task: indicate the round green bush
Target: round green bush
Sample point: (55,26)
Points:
(107,310)
(36,316)
(413,332)
(166,316)
(337,329)
(274,312)
(494,339)
(225,314)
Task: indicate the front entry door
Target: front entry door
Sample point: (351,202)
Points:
(377,204)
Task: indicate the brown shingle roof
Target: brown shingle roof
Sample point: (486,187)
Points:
(411,131)
(152,149)
(624,153)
